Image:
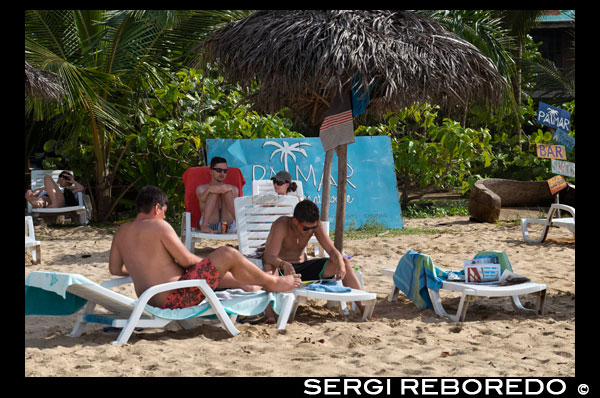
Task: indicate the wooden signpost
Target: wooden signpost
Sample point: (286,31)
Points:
(559,119)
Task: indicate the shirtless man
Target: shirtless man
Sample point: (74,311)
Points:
(216,199)
(149,250)
(285,249)
(51,194)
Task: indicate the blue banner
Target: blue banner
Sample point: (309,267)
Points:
(371,191)
(554,117)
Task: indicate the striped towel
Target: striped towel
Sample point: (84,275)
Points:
(415,274)
(337,128)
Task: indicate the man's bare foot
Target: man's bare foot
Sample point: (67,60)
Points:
(285,283)
(206,229)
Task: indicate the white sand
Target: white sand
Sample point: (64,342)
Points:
(401,340)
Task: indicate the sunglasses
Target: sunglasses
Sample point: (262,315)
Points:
(219,170)
(64,176)
(279,183)
(309,228)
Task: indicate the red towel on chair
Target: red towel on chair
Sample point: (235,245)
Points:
(195,176)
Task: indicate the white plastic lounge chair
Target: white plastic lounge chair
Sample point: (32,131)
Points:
(471,290)
(549,221)
(260,187)
(254,215)
(30,242)
(37,181)
(128,313)
(190,219)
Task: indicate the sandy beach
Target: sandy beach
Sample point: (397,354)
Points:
(401,340)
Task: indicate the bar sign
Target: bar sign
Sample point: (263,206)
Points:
(563,168)
(551,151)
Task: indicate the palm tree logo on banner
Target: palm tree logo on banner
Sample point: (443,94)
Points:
(286,150)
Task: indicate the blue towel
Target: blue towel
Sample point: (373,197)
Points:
(416,273)
(46,293)
(333,287)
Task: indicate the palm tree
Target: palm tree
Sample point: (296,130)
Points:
(106,62)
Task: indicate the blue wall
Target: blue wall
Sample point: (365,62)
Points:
(371,193)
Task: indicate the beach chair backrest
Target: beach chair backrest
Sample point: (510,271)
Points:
(37,177)
(260,187)
(254,218)
(200,175)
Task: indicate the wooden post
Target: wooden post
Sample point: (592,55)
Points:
(340,213)
(326,192)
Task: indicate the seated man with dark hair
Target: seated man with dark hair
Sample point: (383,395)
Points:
(217,199)
(149,250)
(285,249)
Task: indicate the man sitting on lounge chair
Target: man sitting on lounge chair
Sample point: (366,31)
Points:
(149,250)
(216,199)
(285,249)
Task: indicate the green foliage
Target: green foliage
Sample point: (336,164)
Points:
(438,208)
(180,116)
(430,154)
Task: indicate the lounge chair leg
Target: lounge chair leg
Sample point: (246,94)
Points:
(80,324)
(286,309)
(394,294)
(369,307)
(463,306)
(299,300)
(541,302)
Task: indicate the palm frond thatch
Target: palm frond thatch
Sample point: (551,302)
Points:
(42,85)
(300,58)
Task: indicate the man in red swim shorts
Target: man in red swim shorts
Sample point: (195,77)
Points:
(149,250)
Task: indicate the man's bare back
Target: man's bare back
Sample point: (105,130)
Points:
(149,250)
(140,245)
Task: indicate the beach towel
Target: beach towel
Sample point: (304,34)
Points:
(416,273)
(334,287)
(337,128)
(46,294)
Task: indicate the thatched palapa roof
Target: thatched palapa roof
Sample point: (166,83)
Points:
(301,57)
(42,85)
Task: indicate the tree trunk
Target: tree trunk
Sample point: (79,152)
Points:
(340,214)
(103,201)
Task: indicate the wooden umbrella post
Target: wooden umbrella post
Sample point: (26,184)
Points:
(326,186)
(340,213)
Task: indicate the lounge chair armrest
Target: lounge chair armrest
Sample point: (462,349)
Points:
(556,206)
(117,282)
(163,287)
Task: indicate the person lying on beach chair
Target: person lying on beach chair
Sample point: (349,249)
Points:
(285,249)
(216,199)
(54,194)
(149,250)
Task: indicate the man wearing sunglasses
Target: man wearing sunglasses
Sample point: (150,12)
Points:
(216,199)
(51,195)
(285,249)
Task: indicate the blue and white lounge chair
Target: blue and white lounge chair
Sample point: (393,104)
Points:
(54,293)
